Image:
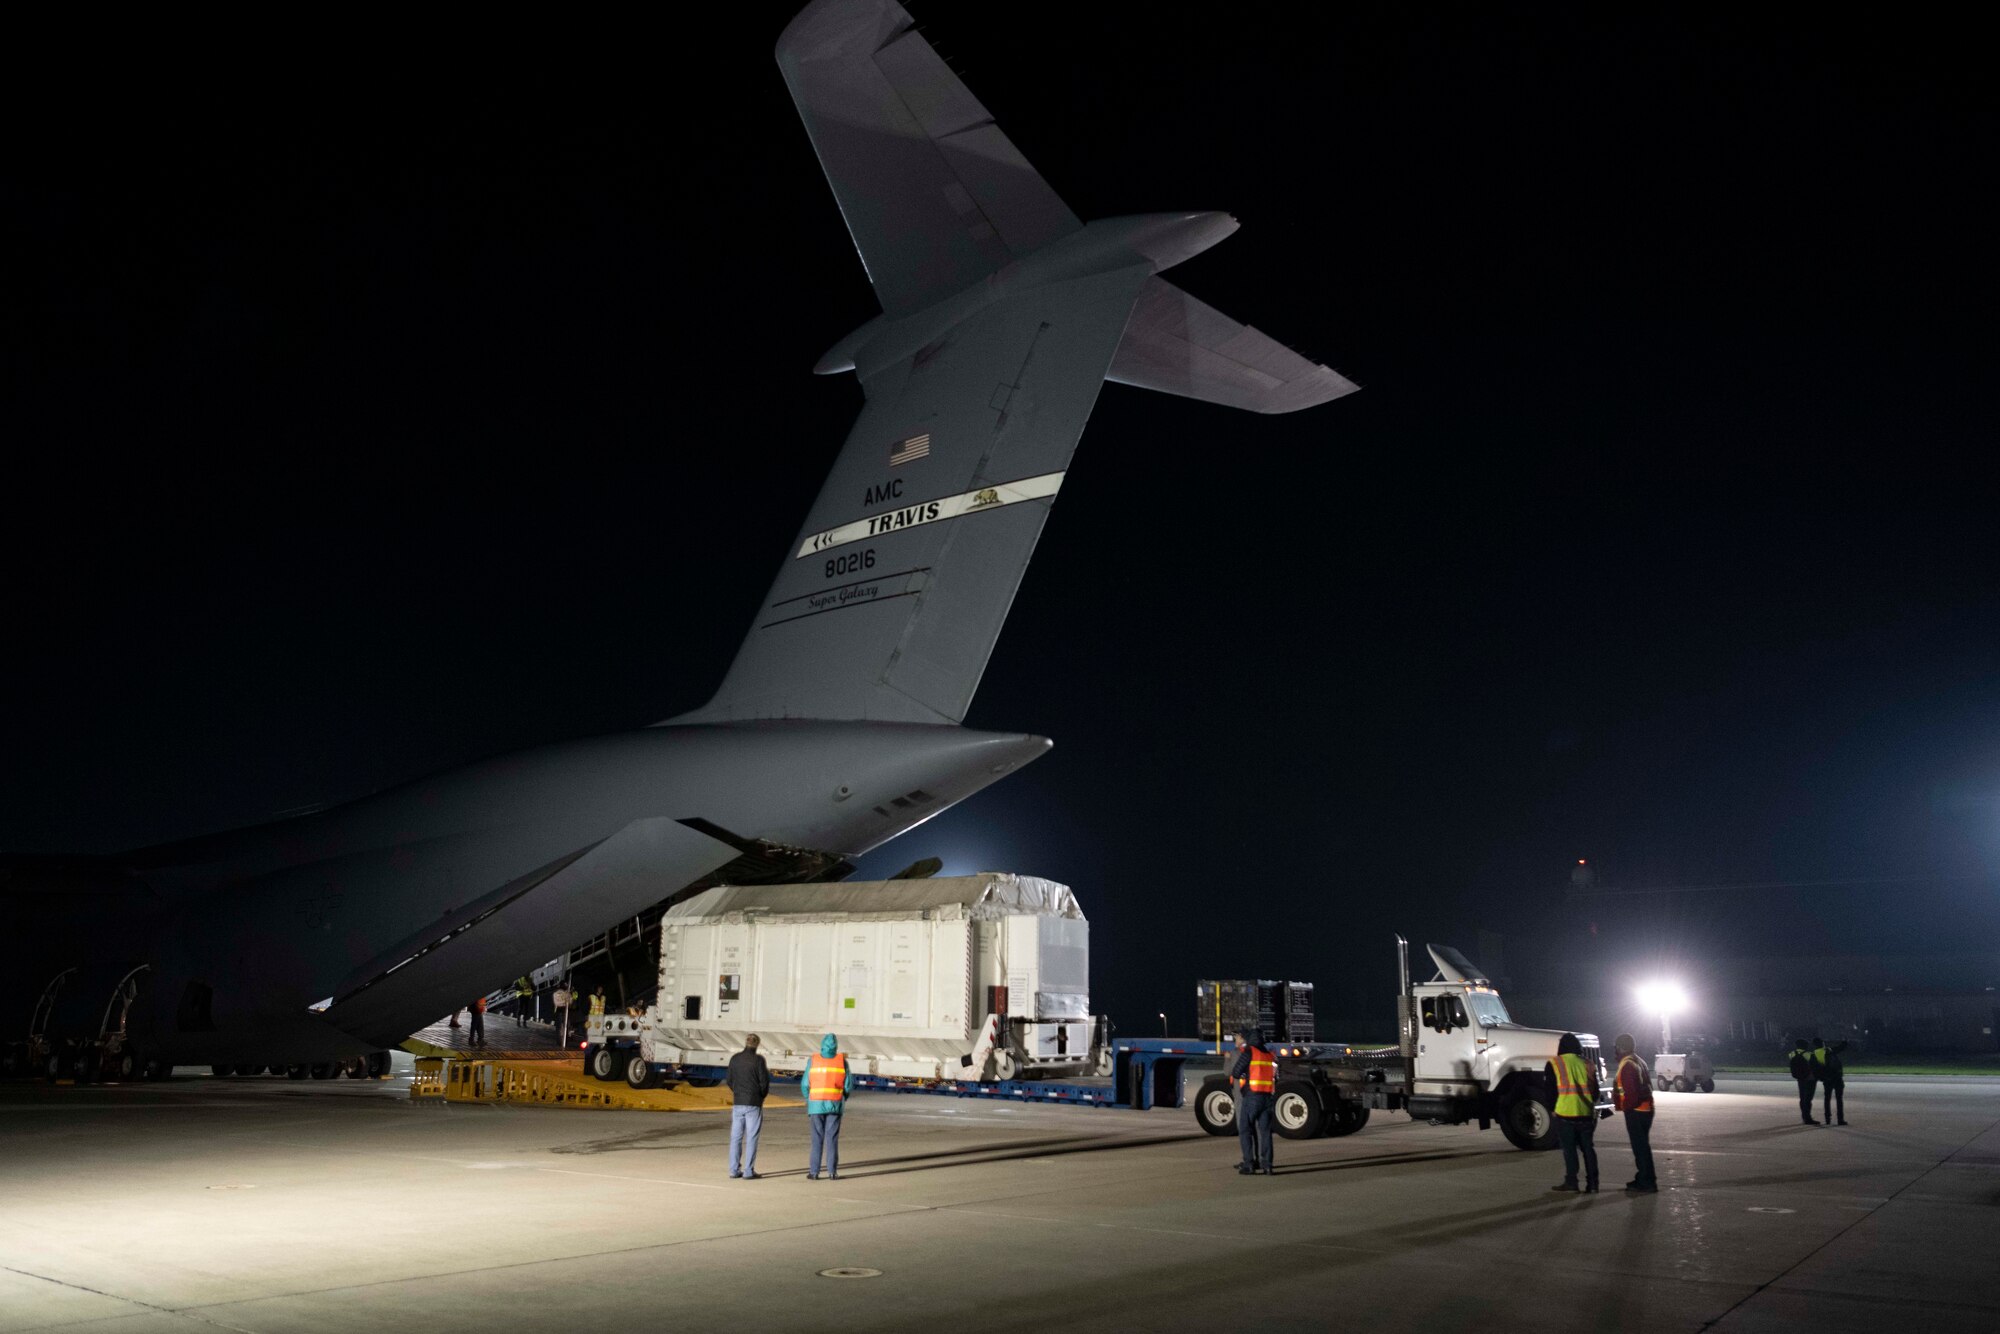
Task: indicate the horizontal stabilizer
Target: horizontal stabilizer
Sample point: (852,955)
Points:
(1178,345)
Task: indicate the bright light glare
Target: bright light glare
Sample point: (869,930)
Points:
(1662,998)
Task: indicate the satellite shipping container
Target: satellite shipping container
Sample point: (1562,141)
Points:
(910,974)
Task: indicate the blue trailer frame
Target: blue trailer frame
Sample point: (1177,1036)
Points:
(1145,1073)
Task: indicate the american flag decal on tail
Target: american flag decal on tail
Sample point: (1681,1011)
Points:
(916,447)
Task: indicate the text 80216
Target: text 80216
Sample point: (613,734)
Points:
(852,563)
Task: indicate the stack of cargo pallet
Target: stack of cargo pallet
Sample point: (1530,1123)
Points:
(1283,1010)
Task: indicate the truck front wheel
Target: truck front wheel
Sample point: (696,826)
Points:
(1297,1112)
(1215,1107)
(1527,1121)
(639,1072)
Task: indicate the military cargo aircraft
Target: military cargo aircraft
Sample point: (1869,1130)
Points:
(329,937)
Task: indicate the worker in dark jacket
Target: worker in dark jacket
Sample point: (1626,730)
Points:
(1800,1062)
(1632,1094)
(1576,1113)
(1832,1073)
(749,1085)
(1254,1078)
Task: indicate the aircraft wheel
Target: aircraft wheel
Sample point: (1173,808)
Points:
(61,1064)
(156,1070)
(295,1072)
(90,1066)
(378,1065)
(246,1071)
(1215,1107)
(122,1067)
(1708,1086)
(324,1069)
(222,1071)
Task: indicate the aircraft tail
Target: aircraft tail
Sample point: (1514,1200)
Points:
(1002,317)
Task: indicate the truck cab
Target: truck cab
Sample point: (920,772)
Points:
(1469,1060)
(1459,1057)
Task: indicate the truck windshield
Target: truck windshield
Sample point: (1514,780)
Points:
(1487,1008)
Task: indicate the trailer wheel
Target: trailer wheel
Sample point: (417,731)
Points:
(639,1072)
(1681,1084)
(1527,1121)
(122,1067)
(295,1072)
(1344,1118)
(1297,1112)
(1708,1086)
(1215,1107)
(602,1063)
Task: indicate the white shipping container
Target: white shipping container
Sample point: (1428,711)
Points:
(903,971)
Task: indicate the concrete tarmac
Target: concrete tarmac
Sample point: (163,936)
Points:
(271,1206)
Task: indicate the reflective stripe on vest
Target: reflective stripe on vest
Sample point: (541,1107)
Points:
(826,1078)
(1572,1079)
(1263,1072)
(1645,1081)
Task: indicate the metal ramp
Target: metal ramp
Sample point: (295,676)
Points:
(556,1084)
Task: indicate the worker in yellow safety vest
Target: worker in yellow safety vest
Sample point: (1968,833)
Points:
(597,1003)
(1632,1094)
(1576,1113)
(826,1084)
(1254,1078)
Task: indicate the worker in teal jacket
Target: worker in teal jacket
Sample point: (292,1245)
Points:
(826,1084)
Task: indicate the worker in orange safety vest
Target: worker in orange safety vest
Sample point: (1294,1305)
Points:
(1254,1078)
(826,1084)
(1632,1094)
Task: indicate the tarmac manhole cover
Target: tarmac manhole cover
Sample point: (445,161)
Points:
(850,1271)
(1768,1209)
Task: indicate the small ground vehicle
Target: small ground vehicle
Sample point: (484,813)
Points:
(1683,1073)
(1459,1057)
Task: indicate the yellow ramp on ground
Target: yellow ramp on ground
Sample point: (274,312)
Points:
(558,1084)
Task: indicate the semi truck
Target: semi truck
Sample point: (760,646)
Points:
(979,978)
(1459,1058)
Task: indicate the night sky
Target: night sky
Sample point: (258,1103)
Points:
(440,395)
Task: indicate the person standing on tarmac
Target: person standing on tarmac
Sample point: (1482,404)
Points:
(1254,1077)
(524,999)
(597,1003)
(749,1085)
(826,1085)
(1832,1074)
(1576,1114)
(1801,1065)
(1632,1094)
(477,1035)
